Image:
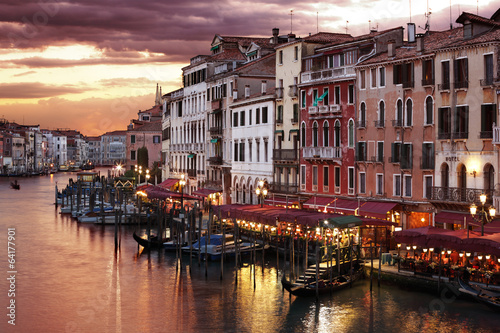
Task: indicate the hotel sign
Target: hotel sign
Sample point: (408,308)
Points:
(452,159)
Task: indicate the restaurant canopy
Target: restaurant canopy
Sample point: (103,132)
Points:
(316,202)
(160,193)
(453,218)
(272,215)
(168,183)
(459,240)
(376,209)
(204,192)
(345,206)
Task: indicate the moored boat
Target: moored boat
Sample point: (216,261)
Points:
(324,286)
(152,243)
(488,297)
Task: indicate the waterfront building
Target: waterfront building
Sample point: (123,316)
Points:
(328,115)
(188,125)
(94,154)
(466,114)
(172,106)
(59,146)
(18,154)
(252,134)
(289,59)
(113,148)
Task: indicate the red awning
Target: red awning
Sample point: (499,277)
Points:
(169,183)
(376,209)
(204,192)
(377,222)
(453,218)
(318,202)
(345,206)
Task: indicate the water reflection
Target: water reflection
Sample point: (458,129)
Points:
(71,279)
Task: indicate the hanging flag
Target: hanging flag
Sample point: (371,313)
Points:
(320,98)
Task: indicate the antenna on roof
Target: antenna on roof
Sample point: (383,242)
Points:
(451,25)
(317,22)
(291,15)
(346,23)
(410,10)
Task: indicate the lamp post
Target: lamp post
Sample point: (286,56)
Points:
(261,192)
(147,176)
(138,170)
(483,215)
(182,182)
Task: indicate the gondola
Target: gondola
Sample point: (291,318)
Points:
(324,286)
(15,185)
(152,243)
(488,297)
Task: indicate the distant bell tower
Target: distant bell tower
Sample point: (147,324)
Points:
(158,95)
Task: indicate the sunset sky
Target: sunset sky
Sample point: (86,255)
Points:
(91,65)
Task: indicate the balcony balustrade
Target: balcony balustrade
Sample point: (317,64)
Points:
(328,74)
(322,152)
(461,195)
(285,155)
(284,188)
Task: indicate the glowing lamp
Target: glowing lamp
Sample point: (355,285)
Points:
(480,257)
(425,250)
(408,248)
(488,257)
(461,254)
(473,209)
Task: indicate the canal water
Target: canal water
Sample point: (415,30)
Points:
(69,278)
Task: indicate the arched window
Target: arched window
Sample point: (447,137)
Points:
(303,135)
(326,133)
(315,134)
(489,180)
(381,114)
(351,133)
(409,112)
(336,134)
(429,112)
(399,113)
(362,115)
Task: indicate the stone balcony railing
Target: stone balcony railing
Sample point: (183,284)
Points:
(322,152)
(328,74)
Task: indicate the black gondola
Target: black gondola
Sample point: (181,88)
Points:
(15,185)
(488,297)
(308,289)
(152,243)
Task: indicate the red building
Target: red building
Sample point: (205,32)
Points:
(328,114)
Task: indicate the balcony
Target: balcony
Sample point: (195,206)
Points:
(460,135)
(216,131)
(444,135)
(379,123)
(295,119)
(322,152)
(335,108)
(323,109)
(312,109)
(284,188)
(215,160)
(408,84)
(428,82)
(285,155)
(293,91)
(444,86)
(191,173)
(460,195)
(361,124)
(279,92)
(489,81)
(461,84)
(328,74)
(279,121)
(397,123)
(486,135)
(216,104)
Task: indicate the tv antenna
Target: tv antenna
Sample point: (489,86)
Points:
(291,16)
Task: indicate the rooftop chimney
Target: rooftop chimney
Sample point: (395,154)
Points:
(291,37)
(411,32)
(391,48)
(276,33)
(247,91)
(420,43)
(264,87)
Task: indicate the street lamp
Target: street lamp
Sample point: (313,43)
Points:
(261,191)
(483,215)
(147,176)
(138,169)
(182,182)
